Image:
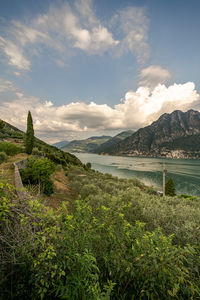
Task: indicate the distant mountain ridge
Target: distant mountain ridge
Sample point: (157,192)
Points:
(86,145)
(95,144)
(61,144)
(175,135)
(114,140)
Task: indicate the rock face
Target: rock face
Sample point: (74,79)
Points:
(175,135)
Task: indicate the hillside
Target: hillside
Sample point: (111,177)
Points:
(87,145)
(175,135)
(60,144)
(13,135)
(114,140)
(115,239)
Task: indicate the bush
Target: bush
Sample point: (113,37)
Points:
(88,165)
(47,186)
(3,157)
(38,171)
(10,149)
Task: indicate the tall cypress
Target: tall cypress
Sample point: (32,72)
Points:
(29,140)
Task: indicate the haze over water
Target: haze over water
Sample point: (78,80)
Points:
(185,173)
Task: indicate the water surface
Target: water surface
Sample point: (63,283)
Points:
(184,172)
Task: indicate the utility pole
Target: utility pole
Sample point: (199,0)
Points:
(164,174)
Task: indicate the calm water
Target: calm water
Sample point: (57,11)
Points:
(185,173)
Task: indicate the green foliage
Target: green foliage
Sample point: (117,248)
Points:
(29,139)
(3,157)
(2,124)
(175,215)
(38,171)
(94,252)
(170,188)
(88,165)
(10,148)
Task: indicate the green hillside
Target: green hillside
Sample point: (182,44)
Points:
(87,145)
(13,135)
(115,240)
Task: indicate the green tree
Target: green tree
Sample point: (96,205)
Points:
(2,124)
(88,165)
(170,188)
(29,139)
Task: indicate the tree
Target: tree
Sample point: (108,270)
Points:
(170,188)
(2,124)
(29,139)
(88,165)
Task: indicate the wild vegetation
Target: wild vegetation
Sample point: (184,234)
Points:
(107,244)
(115,239)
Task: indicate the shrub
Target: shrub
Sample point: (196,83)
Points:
(10,149)
(3,157)
(47,186)
(88,165)
(38,171)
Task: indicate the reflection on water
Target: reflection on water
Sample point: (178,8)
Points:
(185,173)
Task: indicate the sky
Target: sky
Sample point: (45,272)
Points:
(90,67)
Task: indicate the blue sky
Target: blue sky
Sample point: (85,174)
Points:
(88,67)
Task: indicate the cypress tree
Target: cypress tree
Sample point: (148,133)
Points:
(170,188)
(2,124)
(29,139)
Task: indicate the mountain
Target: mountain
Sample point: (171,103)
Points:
(114,140)
(61,144)
(175,135)
(87,145)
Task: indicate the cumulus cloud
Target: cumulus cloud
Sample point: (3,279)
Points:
(139,108)
(153,75)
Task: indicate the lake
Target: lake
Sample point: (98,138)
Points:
(184,172)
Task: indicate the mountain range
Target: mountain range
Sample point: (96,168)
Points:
(94,144)
(175,135)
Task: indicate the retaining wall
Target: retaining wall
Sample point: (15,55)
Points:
(20,190)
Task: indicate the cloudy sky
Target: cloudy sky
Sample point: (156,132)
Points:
(90,67)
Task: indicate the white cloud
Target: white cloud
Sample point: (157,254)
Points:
(134,25)
(15,54)
(139,108)
(66,28)
(153,75)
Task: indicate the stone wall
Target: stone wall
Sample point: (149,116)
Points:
(20,190)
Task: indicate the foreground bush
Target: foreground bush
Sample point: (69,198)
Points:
(91,253)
